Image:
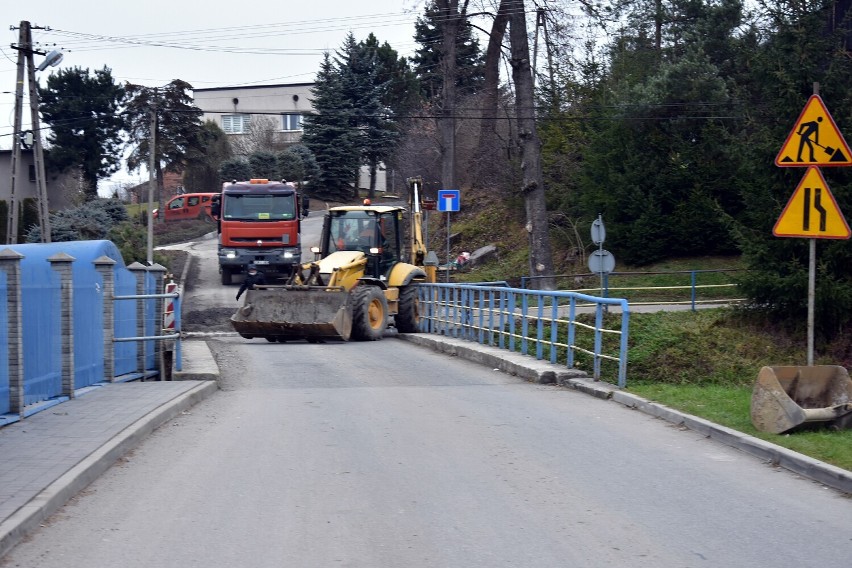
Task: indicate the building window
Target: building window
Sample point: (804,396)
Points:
(291,122)
(235,123)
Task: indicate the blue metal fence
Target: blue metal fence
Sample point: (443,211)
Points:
(41,377)
(531,322)
(41,310)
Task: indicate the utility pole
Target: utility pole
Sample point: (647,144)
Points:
(12,223)
(25,59)
(152,180)
(38,152)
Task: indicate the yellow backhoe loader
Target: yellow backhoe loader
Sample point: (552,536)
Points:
(363,280)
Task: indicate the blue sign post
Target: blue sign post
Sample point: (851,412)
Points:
(449,200)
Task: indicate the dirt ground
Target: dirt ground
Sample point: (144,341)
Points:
(208,319)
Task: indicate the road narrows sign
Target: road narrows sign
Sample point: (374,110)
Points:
(815,140)
(812,211)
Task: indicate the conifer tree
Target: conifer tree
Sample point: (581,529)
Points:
(83,113)
(329,134)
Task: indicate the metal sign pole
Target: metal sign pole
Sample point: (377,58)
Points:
(448,247)
(811,297)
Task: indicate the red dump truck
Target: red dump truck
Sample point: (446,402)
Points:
(259,223)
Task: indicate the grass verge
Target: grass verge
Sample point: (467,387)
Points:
(705,363)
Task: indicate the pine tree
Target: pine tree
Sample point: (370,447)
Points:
(401,91)
(204,159)
(330,135)
(358,68)
(83,113)
(470,63)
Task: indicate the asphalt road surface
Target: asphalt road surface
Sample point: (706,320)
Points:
(385,454)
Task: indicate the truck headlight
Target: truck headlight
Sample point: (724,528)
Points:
(287,255)
(229,253)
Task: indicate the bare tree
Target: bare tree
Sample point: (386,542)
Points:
(541,258)
(259,136)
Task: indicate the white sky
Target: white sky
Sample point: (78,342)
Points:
(248,42)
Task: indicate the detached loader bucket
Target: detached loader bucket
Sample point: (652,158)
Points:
(294,312)
(789,398)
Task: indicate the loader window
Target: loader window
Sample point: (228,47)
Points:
(353,230)
(388,242)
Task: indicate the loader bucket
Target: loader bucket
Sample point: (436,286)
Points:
(286,313)
(785,399)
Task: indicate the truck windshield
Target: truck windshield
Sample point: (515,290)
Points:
(258,207)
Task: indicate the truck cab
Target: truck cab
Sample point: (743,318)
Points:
(259,223)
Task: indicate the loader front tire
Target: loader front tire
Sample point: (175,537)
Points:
(369,309)
(408,318)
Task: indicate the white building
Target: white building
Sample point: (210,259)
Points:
(282,107)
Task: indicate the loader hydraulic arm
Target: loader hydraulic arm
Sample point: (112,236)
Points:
(417,246)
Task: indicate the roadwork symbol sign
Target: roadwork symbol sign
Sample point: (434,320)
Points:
(815,140)
(812,211)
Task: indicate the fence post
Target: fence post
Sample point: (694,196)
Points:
(10,263)
(139,272)
(104,267)
(159,272)
(692,283)
(61,263)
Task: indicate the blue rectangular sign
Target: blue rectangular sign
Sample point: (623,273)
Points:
(449,200)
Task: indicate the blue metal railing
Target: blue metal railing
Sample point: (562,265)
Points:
(150,308)
(525,320)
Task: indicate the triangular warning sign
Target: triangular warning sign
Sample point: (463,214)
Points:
(812,211)
(815,140)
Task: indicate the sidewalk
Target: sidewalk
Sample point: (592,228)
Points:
(52,455)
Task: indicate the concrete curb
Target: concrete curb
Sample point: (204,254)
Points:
(197,362)
(51,499)
(533,370)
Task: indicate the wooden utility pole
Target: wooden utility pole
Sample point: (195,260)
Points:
(152,180)
(38,152)
(12,222)
(25,59)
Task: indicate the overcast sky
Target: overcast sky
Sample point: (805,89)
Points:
(209,44)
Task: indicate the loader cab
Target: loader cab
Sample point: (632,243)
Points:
(375,231)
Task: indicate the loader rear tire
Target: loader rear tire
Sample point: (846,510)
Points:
(369,309)
(408,318)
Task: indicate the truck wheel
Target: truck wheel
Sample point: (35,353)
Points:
(369,313)
(408,318)
(226,276)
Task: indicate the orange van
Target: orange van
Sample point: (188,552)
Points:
(188,206)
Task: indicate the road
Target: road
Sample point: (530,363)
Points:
(384,454)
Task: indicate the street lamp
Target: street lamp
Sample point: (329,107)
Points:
(52,60)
